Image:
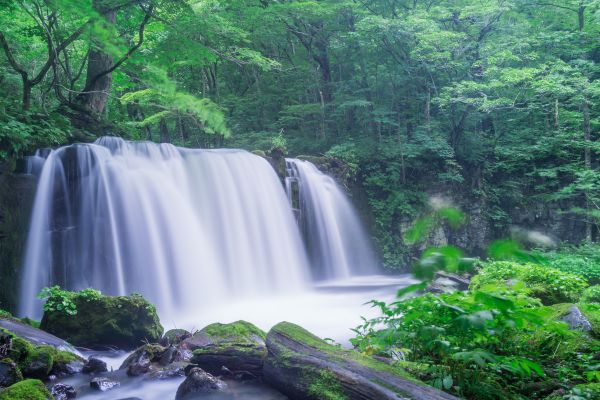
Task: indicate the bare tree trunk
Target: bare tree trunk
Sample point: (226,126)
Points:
(587,162)
(556,120)
(165,137)
(98,83)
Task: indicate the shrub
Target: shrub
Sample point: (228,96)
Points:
(583,260)
(591,295)
(549,284)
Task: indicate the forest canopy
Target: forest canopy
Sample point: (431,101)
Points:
(495,100)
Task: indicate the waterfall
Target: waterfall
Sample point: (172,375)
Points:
(335,239)
(185,228)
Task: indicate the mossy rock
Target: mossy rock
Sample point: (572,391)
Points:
(238,346)
(29,389)
(303,366)
(592,313)
(106,321)
(9,373)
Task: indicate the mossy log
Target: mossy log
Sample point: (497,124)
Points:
(302,366)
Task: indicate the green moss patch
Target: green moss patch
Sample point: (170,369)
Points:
(29,389)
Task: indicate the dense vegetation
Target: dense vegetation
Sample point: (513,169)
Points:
(494,101)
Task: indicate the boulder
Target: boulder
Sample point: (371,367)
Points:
(94,366)
(29,389)
(239,347)
(140,361)
(576,320)
(174,370)
(39,363)
(199,381)
(156,361)
(122,321)
(302,366)
(175,336)
(35,336)
(62,391)
(9,373)
(103,384)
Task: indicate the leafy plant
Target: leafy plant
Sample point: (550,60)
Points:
(591,295)
(58,300)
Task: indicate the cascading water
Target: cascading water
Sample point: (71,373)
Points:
(335,239)
(182,227)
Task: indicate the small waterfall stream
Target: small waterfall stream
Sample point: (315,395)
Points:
(336,242)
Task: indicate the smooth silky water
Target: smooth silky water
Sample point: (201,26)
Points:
(206,235)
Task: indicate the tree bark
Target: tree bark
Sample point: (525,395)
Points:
(587,162)
(165,137)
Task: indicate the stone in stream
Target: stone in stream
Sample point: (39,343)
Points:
(175,336)
(239,347)
(103,384)
(304,367)
(9,373)
(199,381)
(29,389)
(124,322)
(94,366)
(155,361)
(62,391)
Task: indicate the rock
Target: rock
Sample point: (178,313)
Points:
(122,321)
(199,381)
(29,389)
(103,384)
(239,347)
(175,336)
(457,281)
(94,366)
(36,336)
(9,373)
(62,391)
(576,320)
(174,370)
(39,364)
(140,361)
(302,366)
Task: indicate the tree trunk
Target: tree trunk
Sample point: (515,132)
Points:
(165,137)
(98,83)
(556,119)
(26,94)
(587,162)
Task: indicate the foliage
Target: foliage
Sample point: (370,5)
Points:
(582,260)
(58,300)
(550,285)
(591,295)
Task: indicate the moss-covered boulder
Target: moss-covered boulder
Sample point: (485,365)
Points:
(155,362)
(9,373)
(100,321)
(302,366)
(29,389)
(238,346)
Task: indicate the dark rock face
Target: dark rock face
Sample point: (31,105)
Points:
(576,320)
(94,366)
(123,321)
(155,362)
(304,367)
(199,381)
(174,337)
(9,373)
(62,391)
(40,365)
(233,348)
(103,384)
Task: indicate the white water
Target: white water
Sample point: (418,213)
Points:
(337,245)
(186,228)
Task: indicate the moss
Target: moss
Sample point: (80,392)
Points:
(592,313)
(238,329)
(325,386)
(342,356)
(5,314)
(29,389)
(122,321)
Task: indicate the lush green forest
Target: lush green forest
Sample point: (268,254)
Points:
(419,108)
(495,100)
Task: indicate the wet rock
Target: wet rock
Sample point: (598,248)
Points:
(140,361)
(36,336)
(199,381)
(174,370)
(62,391)
(39,364)
(239,347)
(94,366)
(302,366)
(175,336)
(29,389)
(168,356)
(103,384)
(576,320)
(9,373)
(120,321)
